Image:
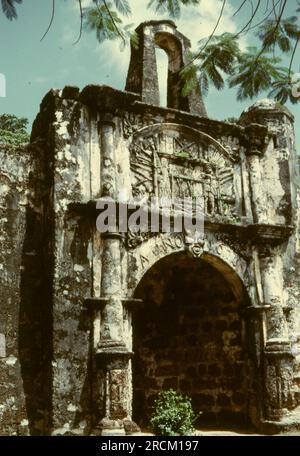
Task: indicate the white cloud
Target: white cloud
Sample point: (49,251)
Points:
(111,64)
(195,22)
(41,79)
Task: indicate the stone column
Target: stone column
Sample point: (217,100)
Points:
(257,192)
(278,358)
(112,353)
(255,144)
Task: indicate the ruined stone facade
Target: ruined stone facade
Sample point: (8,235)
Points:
(93,326)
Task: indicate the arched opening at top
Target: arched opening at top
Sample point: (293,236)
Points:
(142,75)
(190,335)
(162,61)
(173,83)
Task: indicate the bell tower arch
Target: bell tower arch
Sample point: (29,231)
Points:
(143,77)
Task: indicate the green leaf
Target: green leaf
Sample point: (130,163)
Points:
(255,73)
(13,130)
(282,91)
(273,34)
(9,8)
(173,414)
(190,77)
(123,7)
(105,23)
(131,35)
(172,7)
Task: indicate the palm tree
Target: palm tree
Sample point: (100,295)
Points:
(256,72)
(173,7)
(214,60)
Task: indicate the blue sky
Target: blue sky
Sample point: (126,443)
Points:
(32,67)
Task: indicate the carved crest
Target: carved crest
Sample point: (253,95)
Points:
(172,161)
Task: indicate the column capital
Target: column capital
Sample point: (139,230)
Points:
(106,119)
(278,347)
(112,350)
(266,251)
(256,138)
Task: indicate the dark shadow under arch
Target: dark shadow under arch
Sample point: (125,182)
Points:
(190,335)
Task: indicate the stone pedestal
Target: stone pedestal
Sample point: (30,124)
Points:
(278,358)
(278,374)
(115,362)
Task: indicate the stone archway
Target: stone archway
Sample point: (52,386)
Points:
(190,335)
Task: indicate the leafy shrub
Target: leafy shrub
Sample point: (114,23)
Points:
(13,130)
(173,414)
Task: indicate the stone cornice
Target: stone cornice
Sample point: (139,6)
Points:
(107,100)
(254,232)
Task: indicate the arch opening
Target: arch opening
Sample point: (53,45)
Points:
(162,62)
(170,83)
(190,335)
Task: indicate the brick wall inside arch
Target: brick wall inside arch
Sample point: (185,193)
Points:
(190,335)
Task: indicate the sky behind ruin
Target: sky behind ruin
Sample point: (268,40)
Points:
(33,67)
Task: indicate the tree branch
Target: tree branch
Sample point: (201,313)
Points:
(210,36)
(283,4)
(293,55)
(51,20)
(264,19)
(81,22)
(113,21)
(250,20)
(239,8)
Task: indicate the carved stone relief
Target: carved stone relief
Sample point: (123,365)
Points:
(169,162)
(133,122)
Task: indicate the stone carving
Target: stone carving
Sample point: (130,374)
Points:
(142,165)
(232,146)
(238,245)
(266,251)
(196,250)
(108,177)
(135,238)
(166,162)
(132,123)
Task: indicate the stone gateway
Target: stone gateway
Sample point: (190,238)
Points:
(93,325)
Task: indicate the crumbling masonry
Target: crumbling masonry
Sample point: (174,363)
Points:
(93,326)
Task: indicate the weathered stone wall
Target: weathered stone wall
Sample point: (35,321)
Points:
(79,129)
(67,318)
(64,384)
(281,184)
(67,148)
(15,165)
(279,168)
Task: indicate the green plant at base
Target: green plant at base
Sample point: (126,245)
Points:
(173,414)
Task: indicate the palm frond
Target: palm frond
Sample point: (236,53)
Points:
(273,34)
(105,24)
(123,7)
(256,73)
(172,7)
(9,9)
(283,90)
